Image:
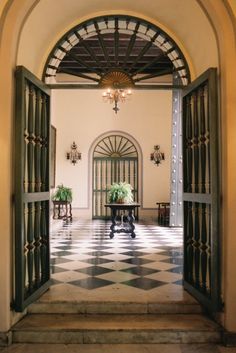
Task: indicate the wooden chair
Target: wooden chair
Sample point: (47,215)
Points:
(163,217)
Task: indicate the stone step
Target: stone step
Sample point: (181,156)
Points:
(115,329)
(111,307)
(116,348)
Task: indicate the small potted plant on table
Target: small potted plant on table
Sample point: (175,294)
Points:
(121,192)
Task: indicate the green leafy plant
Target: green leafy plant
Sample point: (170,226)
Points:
(121,193)
(62,193)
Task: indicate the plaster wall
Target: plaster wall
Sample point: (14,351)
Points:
(11,20)
(81,116)
(226,34)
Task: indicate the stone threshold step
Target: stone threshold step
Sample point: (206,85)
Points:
(114,348)
(90,329)
(107,307)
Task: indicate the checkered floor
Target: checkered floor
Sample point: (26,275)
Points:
(83,255)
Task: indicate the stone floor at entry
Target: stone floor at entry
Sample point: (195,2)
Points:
(117,348)
(88,265)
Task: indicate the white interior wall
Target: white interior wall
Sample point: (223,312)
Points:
(82,116)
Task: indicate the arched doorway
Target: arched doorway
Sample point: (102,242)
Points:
(216,12)
(115,159)
(173,62)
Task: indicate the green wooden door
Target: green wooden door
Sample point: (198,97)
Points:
(201,191)
(32,188)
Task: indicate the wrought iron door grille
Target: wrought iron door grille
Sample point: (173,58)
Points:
(32,189)
(201,191)
(198,246)
(115,159)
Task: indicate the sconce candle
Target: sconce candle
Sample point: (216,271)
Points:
(73,155)
(157,156)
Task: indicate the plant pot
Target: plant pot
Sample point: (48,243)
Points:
(120,200)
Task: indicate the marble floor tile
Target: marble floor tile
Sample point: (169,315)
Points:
(148,267)
(117,276)
(69,276)
(75,265)
(165,276)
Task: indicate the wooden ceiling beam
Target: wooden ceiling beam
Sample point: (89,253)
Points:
(116,41)
(74,73)
(83,63)
(101,42)
(87,48)
(95,86)
(131,43)
(155,61)
(157,74)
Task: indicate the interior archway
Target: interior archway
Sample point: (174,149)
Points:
(156,125)
(66,48)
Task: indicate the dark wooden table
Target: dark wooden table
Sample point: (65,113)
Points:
(62,210)
(126,226)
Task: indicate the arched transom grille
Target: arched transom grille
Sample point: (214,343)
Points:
(115,146)
(125,44)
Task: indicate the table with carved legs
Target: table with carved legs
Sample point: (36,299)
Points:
(125,211)
(62,210)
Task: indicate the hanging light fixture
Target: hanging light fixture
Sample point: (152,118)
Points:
(157,156)
(115,96)
(73,155)
(119,90)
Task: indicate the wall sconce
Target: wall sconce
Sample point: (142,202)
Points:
(73,155)
(157,156)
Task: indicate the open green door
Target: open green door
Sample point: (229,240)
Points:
(201,191)
(32,188)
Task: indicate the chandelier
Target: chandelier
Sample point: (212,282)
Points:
(115,96)
(119,84)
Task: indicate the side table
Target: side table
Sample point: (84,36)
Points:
(62,210)
(123,227)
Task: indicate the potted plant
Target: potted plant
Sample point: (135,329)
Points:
(62,193)
(121,193)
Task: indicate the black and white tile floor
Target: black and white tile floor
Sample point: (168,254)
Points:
(84,256)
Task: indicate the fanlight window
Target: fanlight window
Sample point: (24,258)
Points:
(139,49)
(115,146)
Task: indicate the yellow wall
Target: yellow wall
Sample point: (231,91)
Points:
(205,31)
